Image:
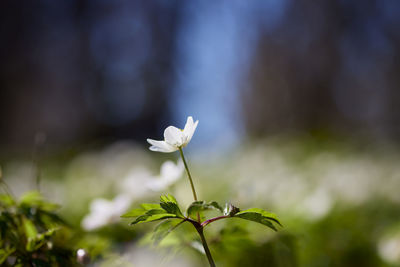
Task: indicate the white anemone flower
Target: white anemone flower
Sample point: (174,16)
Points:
(174,138)
(134,183)
(169,174)
(104,212)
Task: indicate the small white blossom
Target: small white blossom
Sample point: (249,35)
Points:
(389,249)
(134,183)
(169,174)
(174,138)
(103,212)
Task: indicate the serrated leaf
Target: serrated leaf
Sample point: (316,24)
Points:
(168,208)
(164,228)
(151,215)
(141,211)
(170,205)
(199,206)
(152,218)
(134,213)
(150,206)
(172,208)
(260,216)
(168,198)
(269,215)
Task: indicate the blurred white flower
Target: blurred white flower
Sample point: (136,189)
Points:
(316,205)
(139,255)
(389,249)
(103,212)
(134,183)
(169,174)
(174,138)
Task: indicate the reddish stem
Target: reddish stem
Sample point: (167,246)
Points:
(203,224)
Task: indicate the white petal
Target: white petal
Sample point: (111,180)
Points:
(173,136)
(161,146)
(189,130)
(189,124)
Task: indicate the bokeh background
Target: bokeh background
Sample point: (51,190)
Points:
(298,103)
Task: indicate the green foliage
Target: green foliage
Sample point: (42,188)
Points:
(168,208)
(30,233)
(200,206)
(348,236)
(142,211)
(169,204)
(171,217)
(35,199)
(149,217)
(6,201)
(260,216)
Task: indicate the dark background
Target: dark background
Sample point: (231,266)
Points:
(83,72)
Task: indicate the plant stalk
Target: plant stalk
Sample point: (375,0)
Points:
(205,246)
(203,224)
(189,175)
(190,179)
(197,224)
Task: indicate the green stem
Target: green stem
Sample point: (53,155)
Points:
(206,249)
(189,175)
(197,224)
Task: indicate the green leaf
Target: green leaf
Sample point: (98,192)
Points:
(150,206)
(29,228)
(260,216)
(168,208)
(50,219)
(199,206)
(141,211)
(34,198)
(168,198)
(152,215)
(30,233)
(39,240)
(6,200)
(169,204)
(269,215)
(152,218)
(48,233)
(216,206)
(134,213)
(164,228)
